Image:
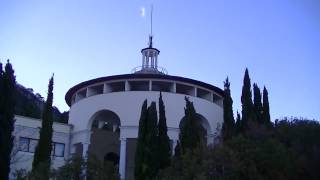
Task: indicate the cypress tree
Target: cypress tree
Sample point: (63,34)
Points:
(1,106)
(42,155)
(266,108)
(164,141)
(3,174)
(228,127)
(177,150)
(151,145)
(146,160)
(7,104)
(140,149)
(246,100)
(257,103)
(238,126)
(190,134)
(1,85)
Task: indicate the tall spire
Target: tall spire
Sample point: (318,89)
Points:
(151,35)
(150,55)
(151,19)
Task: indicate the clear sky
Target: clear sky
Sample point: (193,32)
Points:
(278,40)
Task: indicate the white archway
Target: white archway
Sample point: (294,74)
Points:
(204,124)
(105,134)
(104,119)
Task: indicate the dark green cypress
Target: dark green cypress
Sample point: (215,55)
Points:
(2,163)
(146,159)
(266,108)
(177,150)
(140,149)
(190,131)
(151,153)
(7,104)
(1,86)
(228,127)
(164,141)
(257,103)
(1,96)
(42,155)
(238,125)
(246,100)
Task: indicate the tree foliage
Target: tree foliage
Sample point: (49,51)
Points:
(31,104)
(191,131)
(266,109)
(286,149)
(139,170)
(255,113)
(43,149)
(7,104)
(164,141)
(146,160)
(301,138)
(152,153)
(292,153)
(257,104)
(228,127)
(73,169)
(246,100)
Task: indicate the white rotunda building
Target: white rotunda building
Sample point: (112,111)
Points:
(104,116)
(104,112)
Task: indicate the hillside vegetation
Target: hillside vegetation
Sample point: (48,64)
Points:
(31,104)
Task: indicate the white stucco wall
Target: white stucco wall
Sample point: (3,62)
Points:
(29,128)
(127,105)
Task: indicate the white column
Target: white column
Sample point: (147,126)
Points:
(122,164)
(127,86)
(142,60)
(174,144)
(85,147)
(156,61)
(148,57)
(86,143)
(106,88)
(150,85)
(174,90)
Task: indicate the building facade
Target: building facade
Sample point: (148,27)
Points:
(104,113)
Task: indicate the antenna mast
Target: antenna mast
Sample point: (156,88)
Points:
(151,19)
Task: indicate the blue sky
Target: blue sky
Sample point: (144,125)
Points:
(278,40)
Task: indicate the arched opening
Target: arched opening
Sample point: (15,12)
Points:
(106,120)
(203,125)
(112,157)
(105,134)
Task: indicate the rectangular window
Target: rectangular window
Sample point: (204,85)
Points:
(59,149)
(32,145)
(23,144)
(29,145)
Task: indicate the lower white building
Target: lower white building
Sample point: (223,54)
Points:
(104,115)
(26,136)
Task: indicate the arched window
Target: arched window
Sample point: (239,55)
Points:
(106,120)
(203,125)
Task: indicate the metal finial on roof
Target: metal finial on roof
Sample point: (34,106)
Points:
(151,35)
(151,19)
(150,41)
